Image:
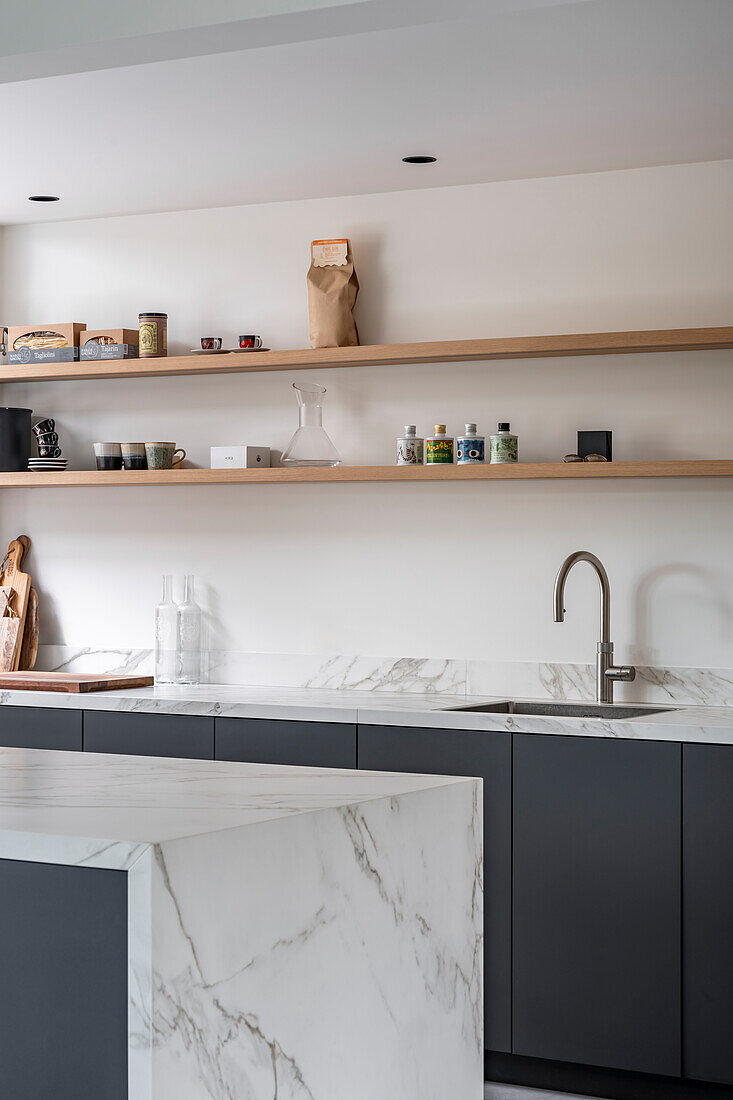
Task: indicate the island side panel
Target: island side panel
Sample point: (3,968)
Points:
(331,954)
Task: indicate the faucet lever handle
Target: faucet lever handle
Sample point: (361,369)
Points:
(626,673)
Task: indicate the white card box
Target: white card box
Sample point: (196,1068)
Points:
(239,457)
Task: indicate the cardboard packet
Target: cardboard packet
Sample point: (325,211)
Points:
(332,290)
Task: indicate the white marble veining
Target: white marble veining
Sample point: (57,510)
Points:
(119,801)
(284,924)
(413,675)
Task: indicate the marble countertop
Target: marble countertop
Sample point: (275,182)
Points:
(711,725)
(150,800)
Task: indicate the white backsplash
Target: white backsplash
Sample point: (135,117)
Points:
(451,676)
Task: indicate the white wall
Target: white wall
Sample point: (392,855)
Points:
(432,570)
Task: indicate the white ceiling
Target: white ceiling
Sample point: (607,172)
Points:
(548,90)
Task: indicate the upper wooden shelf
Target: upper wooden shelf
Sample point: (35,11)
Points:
(573,471)
(441,351)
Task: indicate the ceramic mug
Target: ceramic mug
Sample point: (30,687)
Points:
(211,343)
(49,452)
(162,456)
(250,342)
(108,456)
(44,426)
(134,457)
(47,439)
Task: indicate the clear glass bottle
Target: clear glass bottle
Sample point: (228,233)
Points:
(189,635)
(166,636)
(310,446)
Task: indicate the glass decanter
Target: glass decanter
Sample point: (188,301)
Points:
(310,446)
(166,636)
(189,635)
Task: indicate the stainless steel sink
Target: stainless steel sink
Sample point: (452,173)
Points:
(566,710)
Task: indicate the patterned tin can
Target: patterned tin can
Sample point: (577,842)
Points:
(439,447)
(153,335)
(409,447)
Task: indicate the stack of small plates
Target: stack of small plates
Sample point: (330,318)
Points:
(47,463)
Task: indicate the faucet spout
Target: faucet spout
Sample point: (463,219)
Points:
(559,589)
(606,671)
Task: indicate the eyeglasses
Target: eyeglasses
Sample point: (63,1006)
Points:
(587,458)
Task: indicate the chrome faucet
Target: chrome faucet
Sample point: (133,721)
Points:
(606,671)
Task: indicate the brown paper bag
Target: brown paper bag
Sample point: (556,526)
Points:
(332,290)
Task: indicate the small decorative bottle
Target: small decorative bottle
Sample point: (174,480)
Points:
(504,445)
(410,447)
(189,636)
(166,636)
(439,447)
(470,447)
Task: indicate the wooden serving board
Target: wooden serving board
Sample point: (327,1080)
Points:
(12,577)
(69,682)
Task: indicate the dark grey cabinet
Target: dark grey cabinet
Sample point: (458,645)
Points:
(597,902)
(303,744)
(487,755)
(40,728)
(182,735)
(708,912)
(63,960)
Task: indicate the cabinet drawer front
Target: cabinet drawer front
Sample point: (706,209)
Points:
(597,902)
(303,744)
(40,728)
(488,755)
(708,912)
(183,735)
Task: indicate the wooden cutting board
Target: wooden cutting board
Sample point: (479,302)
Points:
(29,646)
(69,681)
(11,630)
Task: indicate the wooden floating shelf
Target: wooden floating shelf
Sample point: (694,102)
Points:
(441,351)
(576,471)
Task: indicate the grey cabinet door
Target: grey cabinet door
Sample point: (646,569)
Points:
(708,912)
(40,728)
(182,735)
(63,967)
(597,902)
(303,744)
(487,755)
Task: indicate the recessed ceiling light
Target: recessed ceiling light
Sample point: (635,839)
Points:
(43,198)
(419,160)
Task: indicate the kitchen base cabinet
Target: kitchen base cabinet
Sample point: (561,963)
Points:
(597,902)
(40,728)
(63,960)
(183,735)
(303,744)
(707,841)
(488,755)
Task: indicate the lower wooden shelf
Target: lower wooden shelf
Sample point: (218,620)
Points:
(576,471)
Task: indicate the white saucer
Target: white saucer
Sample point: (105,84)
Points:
(223,351)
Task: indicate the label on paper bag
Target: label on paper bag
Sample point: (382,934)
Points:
(329,253)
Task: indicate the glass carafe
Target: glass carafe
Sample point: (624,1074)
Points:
(166,636)
(310,446)
(189,635)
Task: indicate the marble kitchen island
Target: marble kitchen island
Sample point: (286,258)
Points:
(290,933)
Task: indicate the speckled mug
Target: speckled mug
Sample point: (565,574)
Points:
(162,456)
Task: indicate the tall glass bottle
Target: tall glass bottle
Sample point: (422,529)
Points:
(166,636)
(311,445)
(189,635)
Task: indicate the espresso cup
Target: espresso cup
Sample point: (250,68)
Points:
(49,452)
(134,457)
(250,341)
(44,426)
(47,439)
(108,456)
(162,456)
(211,343)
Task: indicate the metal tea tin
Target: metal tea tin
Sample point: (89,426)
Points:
(153,335)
